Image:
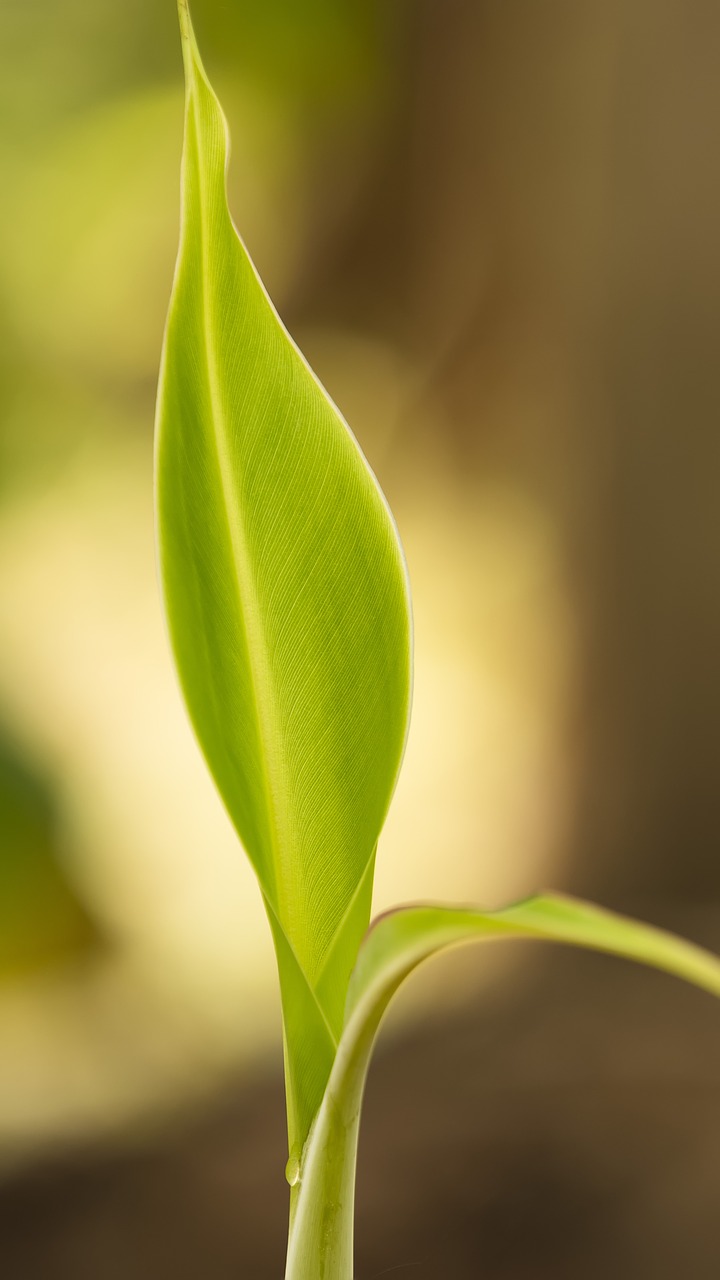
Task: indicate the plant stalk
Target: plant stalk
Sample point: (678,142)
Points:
(320,1245)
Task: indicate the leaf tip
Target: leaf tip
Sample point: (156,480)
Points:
(187,37)
(185,23)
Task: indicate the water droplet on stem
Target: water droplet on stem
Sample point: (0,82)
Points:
(292,1168)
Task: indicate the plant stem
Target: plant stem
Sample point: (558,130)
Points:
(323,1206)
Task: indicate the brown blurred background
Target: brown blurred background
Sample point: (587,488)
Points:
(493,229)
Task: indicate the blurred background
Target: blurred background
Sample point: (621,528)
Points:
(492,227)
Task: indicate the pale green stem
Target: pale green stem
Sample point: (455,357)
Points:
(323,1203)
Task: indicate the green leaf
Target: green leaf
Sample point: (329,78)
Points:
(287,602)
(321,1234)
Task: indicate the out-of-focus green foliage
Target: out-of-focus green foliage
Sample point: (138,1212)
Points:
(42,921)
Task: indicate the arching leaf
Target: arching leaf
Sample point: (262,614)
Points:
(321,1239)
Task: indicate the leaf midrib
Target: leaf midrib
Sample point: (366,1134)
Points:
(246,596)
(244,590)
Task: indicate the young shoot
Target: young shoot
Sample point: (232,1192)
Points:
(288,609)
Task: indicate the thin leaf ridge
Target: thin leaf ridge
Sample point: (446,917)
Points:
(248,610)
